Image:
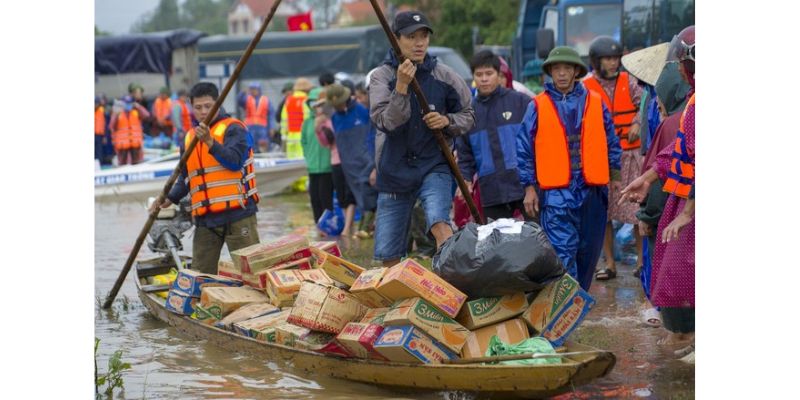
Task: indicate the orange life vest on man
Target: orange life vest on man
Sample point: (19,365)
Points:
(256,115)
(186,116)
(214,188)
(294,110)
(128,132)
(553,165)
(162,108)
(681,170)
(99,121)
(623,111)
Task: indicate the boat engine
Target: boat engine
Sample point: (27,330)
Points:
(167,231)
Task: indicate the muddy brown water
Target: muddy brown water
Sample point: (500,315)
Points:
(167,365)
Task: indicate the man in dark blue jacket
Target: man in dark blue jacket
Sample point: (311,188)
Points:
(409,163)
(490,147)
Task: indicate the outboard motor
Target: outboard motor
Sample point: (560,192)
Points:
(167,231)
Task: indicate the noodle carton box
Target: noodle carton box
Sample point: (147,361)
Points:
(490,310)
(409,279)
(288,334)
(365,288)
(325,308)
(570,316)
(338,269)
(409,344)
(261,328)
(180,302)
(546,307)
(375,315)
(244,313)
(260,279)
(330,247)
(418,312)
(190,281)
(357,338)
(283,285)
(223,300)
(261,256)
(512,332)
(205,316)
(228,269)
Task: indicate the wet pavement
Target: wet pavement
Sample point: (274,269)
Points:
(167,365)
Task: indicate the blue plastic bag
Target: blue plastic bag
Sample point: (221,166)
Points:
(331,222)
(624,244)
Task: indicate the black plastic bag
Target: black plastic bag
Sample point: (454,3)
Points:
(500,264)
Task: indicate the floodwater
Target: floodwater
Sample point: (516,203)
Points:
(167,365)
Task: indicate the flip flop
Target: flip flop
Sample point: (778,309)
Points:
(605,274)
(651,317)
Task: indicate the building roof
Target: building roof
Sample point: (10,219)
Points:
(259,8)
(361,10)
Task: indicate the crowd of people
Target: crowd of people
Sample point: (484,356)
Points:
(591,147)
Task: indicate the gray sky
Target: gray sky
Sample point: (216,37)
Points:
(117,16)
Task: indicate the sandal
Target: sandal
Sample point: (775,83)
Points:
(651,317)
(605,274)
(680,353)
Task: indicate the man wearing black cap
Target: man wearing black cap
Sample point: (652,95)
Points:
(408,160)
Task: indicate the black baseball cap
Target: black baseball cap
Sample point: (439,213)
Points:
(408,22)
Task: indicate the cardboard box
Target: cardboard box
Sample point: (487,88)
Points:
(180,302)
(570,316)
(244,313)
(409,279)
(283,285)
(338,269)
(357,338)
(329,247)
(228,299)
(261,256)
(314,341)
(205,316)
(260,279)
(418,312)
(228,269)
(325,308)
(288,334)
(549,302)
(334,348)
(491,310)
(191,282)
(365,288)
(409,344)
(512,332)
(253,326)
(375,316)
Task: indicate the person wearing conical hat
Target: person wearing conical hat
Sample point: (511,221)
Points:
(568,153)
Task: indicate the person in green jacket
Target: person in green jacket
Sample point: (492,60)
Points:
(317,152)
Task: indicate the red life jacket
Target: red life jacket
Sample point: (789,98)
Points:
(128,132)
(623,111)
(186,116)
(681,170)
(294,110)
(553,166)
(256,115)
(99,121)
(214,188)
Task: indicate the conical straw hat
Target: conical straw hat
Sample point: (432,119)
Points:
(646,64)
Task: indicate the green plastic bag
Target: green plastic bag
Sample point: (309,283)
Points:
(532,345)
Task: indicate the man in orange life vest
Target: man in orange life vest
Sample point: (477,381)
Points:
(567,149)
(295,111)
(259,114)
(99,127)
(220,179)
(621,94)
(127,131)
(181,116)
(162,112)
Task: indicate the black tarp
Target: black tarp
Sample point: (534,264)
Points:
(145,52)
(291,54)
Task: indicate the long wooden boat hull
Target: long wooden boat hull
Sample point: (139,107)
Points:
(505,381)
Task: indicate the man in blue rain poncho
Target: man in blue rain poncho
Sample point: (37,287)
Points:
(568,151)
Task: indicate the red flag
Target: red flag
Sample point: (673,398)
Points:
(300,22)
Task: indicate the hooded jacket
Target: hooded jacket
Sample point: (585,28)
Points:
(490,147)
(405,149)
(570,109)
(352,131)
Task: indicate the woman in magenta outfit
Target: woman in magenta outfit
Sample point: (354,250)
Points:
(672,284)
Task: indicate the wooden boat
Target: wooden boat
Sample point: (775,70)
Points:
(502,381)
(273,174)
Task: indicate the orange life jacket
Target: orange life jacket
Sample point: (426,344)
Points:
(681,170)
(186,116)
(294,110)
(553,165)
(256,115)
(622,108)
(162,108)
(214,188)
(99,121)
(128,132)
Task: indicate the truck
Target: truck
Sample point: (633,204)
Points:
(544,24)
